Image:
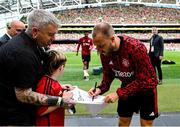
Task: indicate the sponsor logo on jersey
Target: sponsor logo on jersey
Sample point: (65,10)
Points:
(123,74)
(86,44)
(125,63)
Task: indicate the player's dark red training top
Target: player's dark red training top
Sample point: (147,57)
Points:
(86,45)
(131,65)
(56,118)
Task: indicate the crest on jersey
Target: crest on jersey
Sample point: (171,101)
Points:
(125,63)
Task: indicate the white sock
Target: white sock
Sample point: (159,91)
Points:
(86,73)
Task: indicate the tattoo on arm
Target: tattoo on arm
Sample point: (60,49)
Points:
(31,97)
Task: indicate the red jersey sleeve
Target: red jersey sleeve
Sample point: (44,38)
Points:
(145,77)
(91,44)
(108,75)
(79,44)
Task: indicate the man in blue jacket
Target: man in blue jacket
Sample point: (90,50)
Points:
(13,28)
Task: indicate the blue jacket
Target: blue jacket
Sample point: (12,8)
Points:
(158,44)
(4,39)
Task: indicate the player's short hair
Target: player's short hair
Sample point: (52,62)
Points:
(54,60)
(105,28)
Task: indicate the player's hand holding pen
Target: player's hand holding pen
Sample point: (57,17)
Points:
(94,91)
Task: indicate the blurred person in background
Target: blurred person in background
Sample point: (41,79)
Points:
(156,52)
(13,28)
(21,68)
(126,59)
(86,47)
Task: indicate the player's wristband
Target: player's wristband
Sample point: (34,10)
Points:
(53,100)
(62,102)
(59,101)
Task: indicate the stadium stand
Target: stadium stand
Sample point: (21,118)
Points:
(74,35)
(72,47)
(118,14)
(83,12)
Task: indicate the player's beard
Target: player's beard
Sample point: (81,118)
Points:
(109,50)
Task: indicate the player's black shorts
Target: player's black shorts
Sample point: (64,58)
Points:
(86,58)
(144,103)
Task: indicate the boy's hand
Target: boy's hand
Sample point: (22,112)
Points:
(67,87)
(68,100)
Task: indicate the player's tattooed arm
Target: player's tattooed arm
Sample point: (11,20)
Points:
(31,97)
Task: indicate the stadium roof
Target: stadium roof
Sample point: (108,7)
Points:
(15,9)
(19,7)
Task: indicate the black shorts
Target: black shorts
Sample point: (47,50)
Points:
(143,102)
(86,58)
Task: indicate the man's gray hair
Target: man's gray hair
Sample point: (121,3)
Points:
(40,18)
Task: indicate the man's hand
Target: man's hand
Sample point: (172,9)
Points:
(111,98)
(160,57)
(68,100)
(92,93)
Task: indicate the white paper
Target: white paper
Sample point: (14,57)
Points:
(93,106)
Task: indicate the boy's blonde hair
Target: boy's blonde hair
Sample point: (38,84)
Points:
(54,60)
